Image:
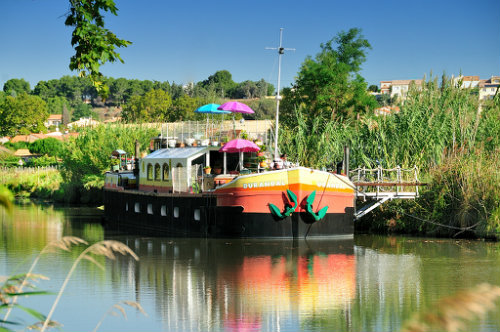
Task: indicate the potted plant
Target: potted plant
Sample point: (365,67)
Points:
(262,161)
(217,169)
(115,164)
(207,169)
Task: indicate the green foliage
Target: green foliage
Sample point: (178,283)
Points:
(16,86)
(82,110)
(183,109)
(328,86)
(94,45)
(464,192)
(8,160)
(29,182)
(43,161)
(23,114)
(6,198)
(56,104)
(17,145)
(154,106)
(89,153)
(47,146)
(221,82)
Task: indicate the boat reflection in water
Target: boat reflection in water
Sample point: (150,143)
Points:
(249,285)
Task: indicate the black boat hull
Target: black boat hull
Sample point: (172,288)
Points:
(196,215)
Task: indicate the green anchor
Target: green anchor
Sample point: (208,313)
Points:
(321,213)
(288,209)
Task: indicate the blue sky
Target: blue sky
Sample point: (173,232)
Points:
(181,41)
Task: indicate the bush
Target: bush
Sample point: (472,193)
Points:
(49,146)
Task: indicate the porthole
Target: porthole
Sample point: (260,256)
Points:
(197,214)
(176,212)
(150,208)
(163,211)
(137,208)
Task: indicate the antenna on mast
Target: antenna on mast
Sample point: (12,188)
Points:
(281,51)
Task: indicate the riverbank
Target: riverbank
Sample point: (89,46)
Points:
(46,183)
(462,199)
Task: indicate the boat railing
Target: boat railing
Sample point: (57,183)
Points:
(378,182)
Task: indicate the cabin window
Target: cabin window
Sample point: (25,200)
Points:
(165,172)
(176,212)
(150,208)
(126,206)
(137,208)
(163,211)
(197,214)
(157,172)
(150,172)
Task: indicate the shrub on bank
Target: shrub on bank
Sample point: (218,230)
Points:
(31,182)
(462,199)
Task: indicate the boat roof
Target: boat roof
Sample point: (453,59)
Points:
(176,153)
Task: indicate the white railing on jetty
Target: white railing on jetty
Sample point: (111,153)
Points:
(383,184)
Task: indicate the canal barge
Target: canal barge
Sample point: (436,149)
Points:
(168,194)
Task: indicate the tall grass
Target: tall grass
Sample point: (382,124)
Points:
(42,182)
(433,121)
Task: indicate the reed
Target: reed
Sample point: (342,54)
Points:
(13,287)
(106,248)
(433,122)
(456,312)
(39,182)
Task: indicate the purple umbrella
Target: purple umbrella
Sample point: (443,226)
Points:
(235,107)
(239,145)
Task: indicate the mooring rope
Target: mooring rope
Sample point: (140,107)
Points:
(460,229)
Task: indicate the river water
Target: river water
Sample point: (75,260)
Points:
(368,283)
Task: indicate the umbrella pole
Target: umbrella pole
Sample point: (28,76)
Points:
(241,160)
(225,163)
(206,129)
(234,128)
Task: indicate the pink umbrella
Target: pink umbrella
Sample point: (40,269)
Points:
(239,145)
(235,107)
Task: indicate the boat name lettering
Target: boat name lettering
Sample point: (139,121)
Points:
(263,184)
(330,185)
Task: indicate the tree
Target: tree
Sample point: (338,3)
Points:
(82,110)
(118,89)
(94,45)
(46,90)
(65,115)
(154,106)
(329,86)
(183,108)
(373,88)
(49,146)
(23,114)
(56,104)
(222,82)
(16,86)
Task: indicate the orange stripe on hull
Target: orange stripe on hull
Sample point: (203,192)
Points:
(257,201)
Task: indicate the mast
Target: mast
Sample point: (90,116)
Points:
(281,51)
